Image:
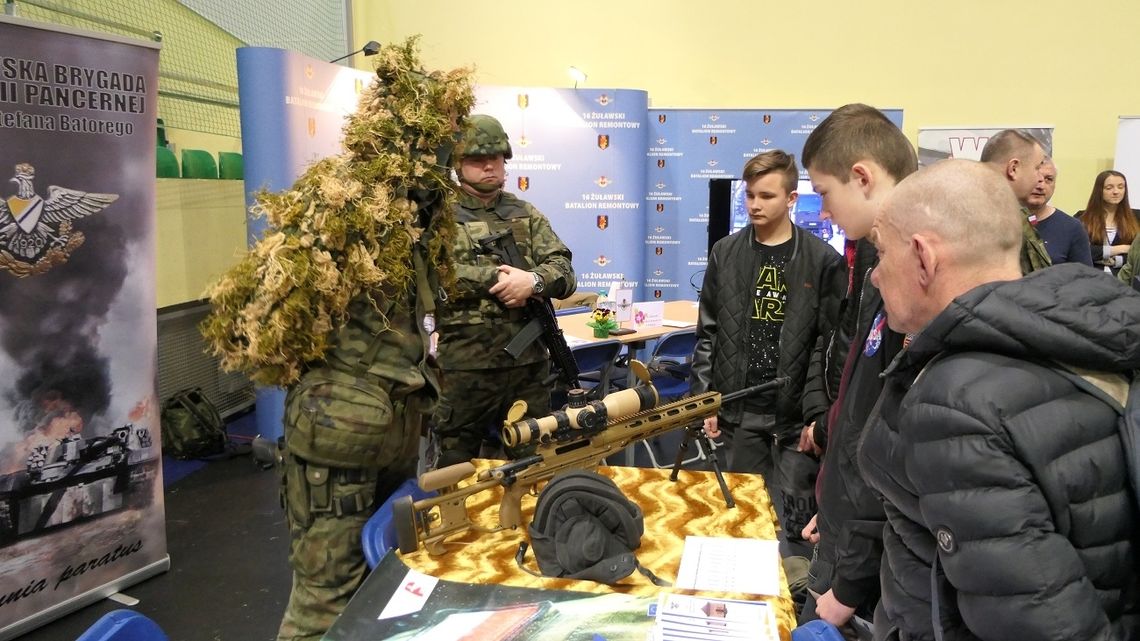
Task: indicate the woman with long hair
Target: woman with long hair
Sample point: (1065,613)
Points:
(1109,220)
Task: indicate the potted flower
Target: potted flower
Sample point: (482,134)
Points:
(602,322)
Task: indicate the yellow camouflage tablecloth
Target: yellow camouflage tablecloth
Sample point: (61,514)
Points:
(691,506)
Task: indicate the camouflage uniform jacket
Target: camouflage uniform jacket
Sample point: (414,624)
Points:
(1034,256)
(349,411)
(1131,268)
(473,325)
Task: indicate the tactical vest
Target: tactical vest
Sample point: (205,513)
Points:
(474,327)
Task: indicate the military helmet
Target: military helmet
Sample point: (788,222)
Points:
(484,136)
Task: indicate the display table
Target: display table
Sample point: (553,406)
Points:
(691,506)
(677,311)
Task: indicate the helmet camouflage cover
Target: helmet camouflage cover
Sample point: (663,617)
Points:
(484,136)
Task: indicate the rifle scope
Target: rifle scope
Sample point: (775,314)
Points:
(579,415)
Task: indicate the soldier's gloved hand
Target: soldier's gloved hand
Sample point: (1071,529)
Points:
(514,287)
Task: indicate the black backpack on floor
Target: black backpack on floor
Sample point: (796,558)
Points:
(191,426)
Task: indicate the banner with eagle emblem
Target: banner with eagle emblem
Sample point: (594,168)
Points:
(81,509)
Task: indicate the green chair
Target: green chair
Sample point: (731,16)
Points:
(230,166)
(167,163)
(197,163)
(162,141)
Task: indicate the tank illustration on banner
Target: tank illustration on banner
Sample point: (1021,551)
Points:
(77,479)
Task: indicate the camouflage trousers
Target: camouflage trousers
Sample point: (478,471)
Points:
(326,509)
(473,405)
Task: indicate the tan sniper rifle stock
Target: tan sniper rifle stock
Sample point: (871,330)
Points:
(578,437)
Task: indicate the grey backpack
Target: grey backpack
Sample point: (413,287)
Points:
(584,527)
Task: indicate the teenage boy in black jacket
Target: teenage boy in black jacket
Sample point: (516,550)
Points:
(854,158)
(770,291)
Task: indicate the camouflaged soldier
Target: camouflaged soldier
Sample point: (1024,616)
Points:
(480,380)
(1020,158)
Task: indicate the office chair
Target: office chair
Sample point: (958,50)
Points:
(379,533)
(166,164)
(197,163)
(123,625)
(230,166)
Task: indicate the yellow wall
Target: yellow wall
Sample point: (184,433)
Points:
(201,233)
(970,62)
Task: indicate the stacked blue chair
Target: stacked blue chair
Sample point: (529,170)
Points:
(123,625)
(595,362)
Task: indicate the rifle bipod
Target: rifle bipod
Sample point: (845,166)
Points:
(697,433)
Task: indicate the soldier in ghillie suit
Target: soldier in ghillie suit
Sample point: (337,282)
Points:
(332,304)
(481,380)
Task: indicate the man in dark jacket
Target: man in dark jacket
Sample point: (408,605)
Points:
(1009,511)
(854,157)
(770,291)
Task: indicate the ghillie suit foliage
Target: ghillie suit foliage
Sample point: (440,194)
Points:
(347,225)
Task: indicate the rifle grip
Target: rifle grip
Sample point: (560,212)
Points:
(446,476)
(510,510)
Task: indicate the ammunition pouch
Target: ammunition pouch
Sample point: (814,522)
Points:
(311,491)
(339,420)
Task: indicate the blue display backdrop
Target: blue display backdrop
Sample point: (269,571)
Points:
(579,156)
(627,189)
(292,111)
(689,147)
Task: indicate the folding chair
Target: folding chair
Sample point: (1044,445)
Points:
(123,625)
(595,363)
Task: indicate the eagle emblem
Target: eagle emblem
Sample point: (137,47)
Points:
(36,232)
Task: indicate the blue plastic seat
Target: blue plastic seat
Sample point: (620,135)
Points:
(817,630)
(379,533)
(672,361)
(566,311)
(123,625)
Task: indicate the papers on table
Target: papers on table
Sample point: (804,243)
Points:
(693,618)
(721,564)
(574,341)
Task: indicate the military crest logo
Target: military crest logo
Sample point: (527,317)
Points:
(660,207)
(661,163)
(660,185)
(35,232)
(659,230)
(661,118)
(602,261)
(813,117)
(312,127)
(767,119)
(603,182)
(524,183)
(659,250)
(657,293)
(603,141)
(712,140)
(359,86)
(523,140)
(661,141)
(309,71)
(714,117)
(603,221)
(658,273)
(766,142)
(523,100)
(712,163)
(603,100)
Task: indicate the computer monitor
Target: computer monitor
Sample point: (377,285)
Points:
(729,213)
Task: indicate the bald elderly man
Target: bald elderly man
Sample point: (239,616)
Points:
(1005,485)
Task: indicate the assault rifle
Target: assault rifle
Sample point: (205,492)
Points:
(580,436)
(543,323)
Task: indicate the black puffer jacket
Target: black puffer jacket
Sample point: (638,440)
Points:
(1004,469)
(815,276)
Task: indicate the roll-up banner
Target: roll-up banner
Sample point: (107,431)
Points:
(81,504)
